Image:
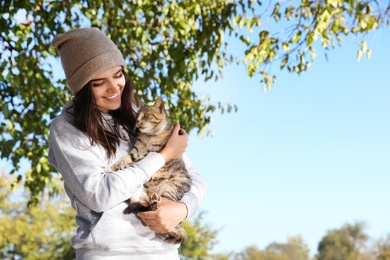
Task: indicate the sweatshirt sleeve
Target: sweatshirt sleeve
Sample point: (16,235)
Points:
(82,168)
(194,196)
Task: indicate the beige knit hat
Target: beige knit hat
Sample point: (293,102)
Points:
(84,53)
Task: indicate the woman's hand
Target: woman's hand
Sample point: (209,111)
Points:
(176,144)
(166,218)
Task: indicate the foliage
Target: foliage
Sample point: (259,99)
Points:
(347,242)
(335,245)
(295,248)
(40,232)
(383,248)
(294,45)
(168,45)
(201,239)
(250,253)
(344,243)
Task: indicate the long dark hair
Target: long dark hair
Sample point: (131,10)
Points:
(88,118)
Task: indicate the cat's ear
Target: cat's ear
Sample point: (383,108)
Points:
(160,104)
(140,103)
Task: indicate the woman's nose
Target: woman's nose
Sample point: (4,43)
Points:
(113,86)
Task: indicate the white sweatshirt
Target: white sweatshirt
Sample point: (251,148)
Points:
(104,232)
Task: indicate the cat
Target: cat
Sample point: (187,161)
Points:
(171,181)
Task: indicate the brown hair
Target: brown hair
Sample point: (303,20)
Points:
(88,118)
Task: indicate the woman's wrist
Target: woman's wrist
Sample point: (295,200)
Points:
(165,154)
(184,210)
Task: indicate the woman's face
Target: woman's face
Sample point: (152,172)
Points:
(107,88)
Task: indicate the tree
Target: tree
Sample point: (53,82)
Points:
(383,248)
(335,245)
(250,253)
(295,248)
(344,243)
(168,45)
(42,231)
(201,239)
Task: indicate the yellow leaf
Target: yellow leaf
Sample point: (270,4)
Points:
(359,55)
(364,46)
(369,54)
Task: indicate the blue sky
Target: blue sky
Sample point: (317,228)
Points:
(307,156)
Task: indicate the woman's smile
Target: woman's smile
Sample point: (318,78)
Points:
(114,96)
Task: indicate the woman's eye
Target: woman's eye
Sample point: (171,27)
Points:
(118,76)
(97,84)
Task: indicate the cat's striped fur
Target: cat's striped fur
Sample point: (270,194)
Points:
(171,181)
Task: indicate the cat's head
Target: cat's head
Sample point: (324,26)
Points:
(152,119)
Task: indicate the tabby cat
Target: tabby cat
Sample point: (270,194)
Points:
(171,181)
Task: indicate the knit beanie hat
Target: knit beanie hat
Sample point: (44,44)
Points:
(84,53)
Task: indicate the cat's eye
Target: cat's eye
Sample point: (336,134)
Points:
(146,115)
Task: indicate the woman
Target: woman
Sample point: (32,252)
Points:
(92,133)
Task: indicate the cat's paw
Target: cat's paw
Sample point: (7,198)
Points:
(120,165)
(154,200)
(177,236)
(132,208)
(116,167)
(109,169)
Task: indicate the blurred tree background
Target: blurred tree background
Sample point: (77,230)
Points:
(168,45)
(43,231)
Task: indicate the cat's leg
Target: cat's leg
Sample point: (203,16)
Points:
(134,203)
(121,164)
(134,156)
(133,207)
(176,236)
(172,189)
(125,161)
(154,199)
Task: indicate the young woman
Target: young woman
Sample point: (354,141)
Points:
(92,133)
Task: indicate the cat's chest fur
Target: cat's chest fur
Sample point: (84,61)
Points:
(152,143)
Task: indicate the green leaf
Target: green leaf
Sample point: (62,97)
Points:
(284,62)
(296,37)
